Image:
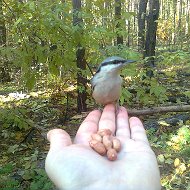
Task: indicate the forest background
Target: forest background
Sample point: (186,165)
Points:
(50,50)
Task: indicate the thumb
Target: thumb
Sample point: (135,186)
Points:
(58,139)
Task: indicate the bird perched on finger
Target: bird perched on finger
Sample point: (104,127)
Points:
(106,83)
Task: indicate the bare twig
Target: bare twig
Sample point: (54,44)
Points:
(90,69)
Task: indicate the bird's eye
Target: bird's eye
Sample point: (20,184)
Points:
(115,62)
(118,61)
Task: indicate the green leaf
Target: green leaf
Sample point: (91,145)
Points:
(187,93)
(161,158)
(28,174)
(13,149)
(6,169)
(32,5)
(126,96)
(19,20)
(53,68)
(30,81)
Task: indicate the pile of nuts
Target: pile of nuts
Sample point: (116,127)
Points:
(104,143)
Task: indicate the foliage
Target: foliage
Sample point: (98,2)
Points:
(181,140)
(45,43)
(31,172)
(148,91)
(173,156)
(6,182)
(177,59)
(40,181)
(23,119)
(15,118)
(40,30)
(154,90)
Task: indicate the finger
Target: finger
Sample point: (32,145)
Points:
(107,120)
(88,127)
(138,132)
(122,121)
(58,139)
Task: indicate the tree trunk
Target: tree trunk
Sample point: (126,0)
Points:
(105,16)
(80,61)
(180,41)
(128,26)
(187,22)
(4,71)
(150,43)
(141,24)
(174,15)
(118,21)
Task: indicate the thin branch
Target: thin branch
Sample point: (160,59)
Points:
(65,33)
(89,69)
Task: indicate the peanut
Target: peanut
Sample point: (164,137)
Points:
(92,142)
(98,147)
(104,132)
(97,137)
(116,144)
(107,141)
(112,154)
(103,142)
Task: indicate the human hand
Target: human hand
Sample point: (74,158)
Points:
(75,166)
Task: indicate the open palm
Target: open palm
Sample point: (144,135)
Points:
(75,166)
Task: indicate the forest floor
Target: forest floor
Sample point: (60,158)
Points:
(25,120)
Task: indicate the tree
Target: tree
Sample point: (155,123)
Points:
(152,23)
(80,59)
(118,21)
(147,40)
(4,72)
(141,24)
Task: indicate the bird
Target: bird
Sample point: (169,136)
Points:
(106,83)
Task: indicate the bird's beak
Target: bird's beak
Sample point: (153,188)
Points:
(129,61)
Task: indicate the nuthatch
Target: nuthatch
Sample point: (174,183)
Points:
(106,83)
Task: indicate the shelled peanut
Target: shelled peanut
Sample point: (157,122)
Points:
(104,143)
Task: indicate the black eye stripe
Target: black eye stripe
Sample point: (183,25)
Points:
(115,62)
(107,63)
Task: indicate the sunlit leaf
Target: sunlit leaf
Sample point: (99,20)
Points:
(160,158)
(176,162)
